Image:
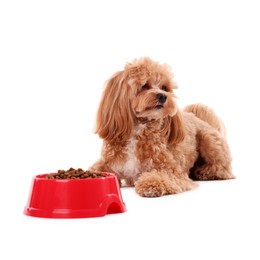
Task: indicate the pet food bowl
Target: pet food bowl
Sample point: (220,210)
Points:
(74,198)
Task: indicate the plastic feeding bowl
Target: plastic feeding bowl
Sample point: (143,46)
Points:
(74,198)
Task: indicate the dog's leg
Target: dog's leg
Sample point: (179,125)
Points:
(156,184)
(100,165)
(216,157)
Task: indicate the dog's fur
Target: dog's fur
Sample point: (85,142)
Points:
(149,142)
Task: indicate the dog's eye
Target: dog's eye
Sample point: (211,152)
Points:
(164,88)
(145,87)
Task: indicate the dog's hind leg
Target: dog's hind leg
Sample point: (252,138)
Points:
(214,162)
(215,155)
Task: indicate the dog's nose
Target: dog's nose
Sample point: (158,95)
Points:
(161,98)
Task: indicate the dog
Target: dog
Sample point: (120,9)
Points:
(148,142)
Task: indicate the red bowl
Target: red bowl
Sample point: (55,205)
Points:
(74,198)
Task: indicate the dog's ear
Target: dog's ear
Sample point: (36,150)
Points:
(176,129)
(114,117)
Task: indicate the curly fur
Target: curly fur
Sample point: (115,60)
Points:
(149,142)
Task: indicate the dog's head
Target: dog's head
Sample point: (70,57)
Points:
(142,91)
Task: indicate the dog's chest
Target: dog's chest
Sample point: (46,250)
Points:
(131,166)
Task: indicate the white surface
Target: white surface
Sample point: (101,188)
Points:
(54,59)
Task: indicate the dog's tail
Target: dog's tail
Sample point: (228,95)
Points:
(208,115)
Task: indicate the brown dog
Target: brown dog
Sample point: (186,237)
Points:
(149,142)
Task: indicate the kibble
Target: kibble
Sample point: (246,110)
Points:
(75,174)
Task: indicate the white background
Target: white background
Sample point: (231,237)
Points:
(54,59)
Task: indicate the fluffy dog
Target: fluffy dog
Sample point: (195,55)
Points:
(149,142)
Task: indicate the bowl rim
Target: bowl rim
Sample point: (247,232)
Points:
(42,177)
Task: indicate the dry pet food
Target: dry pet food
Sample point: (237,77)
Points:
(75,174)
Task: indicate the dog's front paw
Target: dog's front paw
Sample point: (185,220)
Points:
(150,185)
